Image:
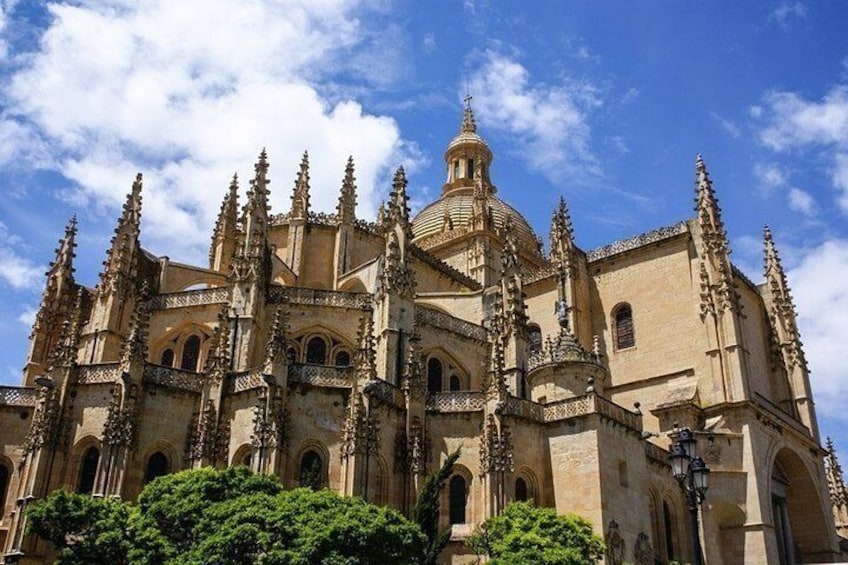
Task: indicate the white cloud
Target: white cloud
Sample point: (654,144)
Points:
(549,121)
(787,11)
(188,92)
(821,297)
(428,44)
(27,317)
(729,126)
(769,175)
(791,123)
(16,270)
(801,201)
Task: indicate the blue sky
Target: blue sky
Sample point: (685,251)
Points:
(605,103)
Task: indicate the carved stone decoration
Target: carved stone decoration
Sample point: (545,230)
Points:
(44,429)
(412,382)
(300,196)
(204,444)
(495,448)
(835,478)
(396,277)
(121,426)
(361,431)
(366,355)
(615,544)
(270,420)
(563,349)
(494,383)
(119,268)
(643,553)
(346,209)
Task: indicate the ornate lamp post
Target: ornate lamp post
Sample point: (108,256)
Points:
(693,476)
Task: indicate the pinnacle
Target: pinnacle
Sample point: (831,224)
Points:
(468,123)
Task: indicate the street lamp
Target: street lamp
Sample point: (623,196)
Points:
(693,476)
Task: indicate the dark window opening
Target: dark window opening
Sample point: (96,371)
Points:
(157,466)
(535,335)
(191,354)
(311,469)
(624,336)
(88,470)
(434,375)
(455,383)
(455,170)
(457,500)
(520,490)
(167,358)
(669,532)
(316,351)
(470,169)
(4,486)
(342,359)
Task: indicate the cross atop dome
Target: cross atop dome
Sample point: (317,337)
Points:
(468,123)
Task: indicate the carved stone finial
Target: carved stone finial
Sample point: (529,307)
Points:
(300,196)
(226,231)
(275,349)
(346,209)
(469,125)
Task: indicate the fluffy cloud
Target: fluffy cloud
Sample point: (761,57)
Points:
(791,123)
(786,12)
(822,300)
(189,92)
(549,121)
(801,201)
(17,271)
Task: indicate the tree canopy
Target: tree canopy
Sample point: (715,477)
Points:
(527,535)
(233,516)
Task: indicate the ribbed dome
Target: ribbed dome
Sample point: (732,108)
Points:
(431,220)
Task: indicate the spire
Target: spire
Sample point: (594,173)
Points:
(562,234)
(218,360)
(783,315)
(413,379)
(366,355)
(468,123)
(300,197)
(248,258)
(58,291)
(275,349)
(65,352)
(398,208)
(346,209)
(64,261)
(120,259)
(135,348)
(708,210)
(226,231)
(835,479)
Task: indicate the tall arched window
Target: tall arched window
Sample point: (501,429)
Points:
(316,351)
(311,470)
(624,336)
(520,490)
(670,537)
(457,499)
(455,383)
(167,358)
(191,353)
(434,375)
(157,466)
(5,479)
(88,470)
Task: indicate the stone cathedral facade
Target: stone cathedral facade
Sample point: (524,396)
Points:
(339,353)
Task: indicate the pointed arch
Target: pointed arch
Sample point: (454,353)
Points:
(6,469)
(312,465)
(450,367)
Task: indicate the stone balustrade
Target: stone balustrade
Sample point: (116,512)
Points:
(317,297)
(436,319)
(201,297)
(173,378)
(98,374)
(18,396)
(321,375)
(456,401)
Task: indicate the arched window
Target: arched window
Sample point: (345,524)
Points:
(342,359)
(167,358)
(457,500)
(316,351)
(535,338)
(191,353)
(5,477)
(157,465)
(455,383)
(311,469)
(434,375)
(520,490)
(88,470)
(670,537)
(470,169)
(624,336)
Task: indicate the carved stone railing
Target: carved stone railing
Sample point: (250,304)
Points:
(441,237)
(522,408)
(201,297)
(430,317)
(321,375)
(98,374)
(640,240)
(364,225)
(457,401)
(385,392)
(569,408)
(18,396)
(316,297)
(618,414)
(278,219)
(656,454)
(173,378)
(240,382)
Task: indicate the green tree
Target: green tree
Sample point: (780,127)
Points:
(527,535)
(426,511)
(83,529)
(211,517)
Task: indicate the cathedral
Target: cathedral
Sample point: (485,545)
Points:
(339,353)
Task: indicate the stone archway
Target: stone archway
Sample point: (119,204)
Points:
(800,526)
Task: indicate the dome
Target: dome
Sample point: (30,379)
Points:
(457,206)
